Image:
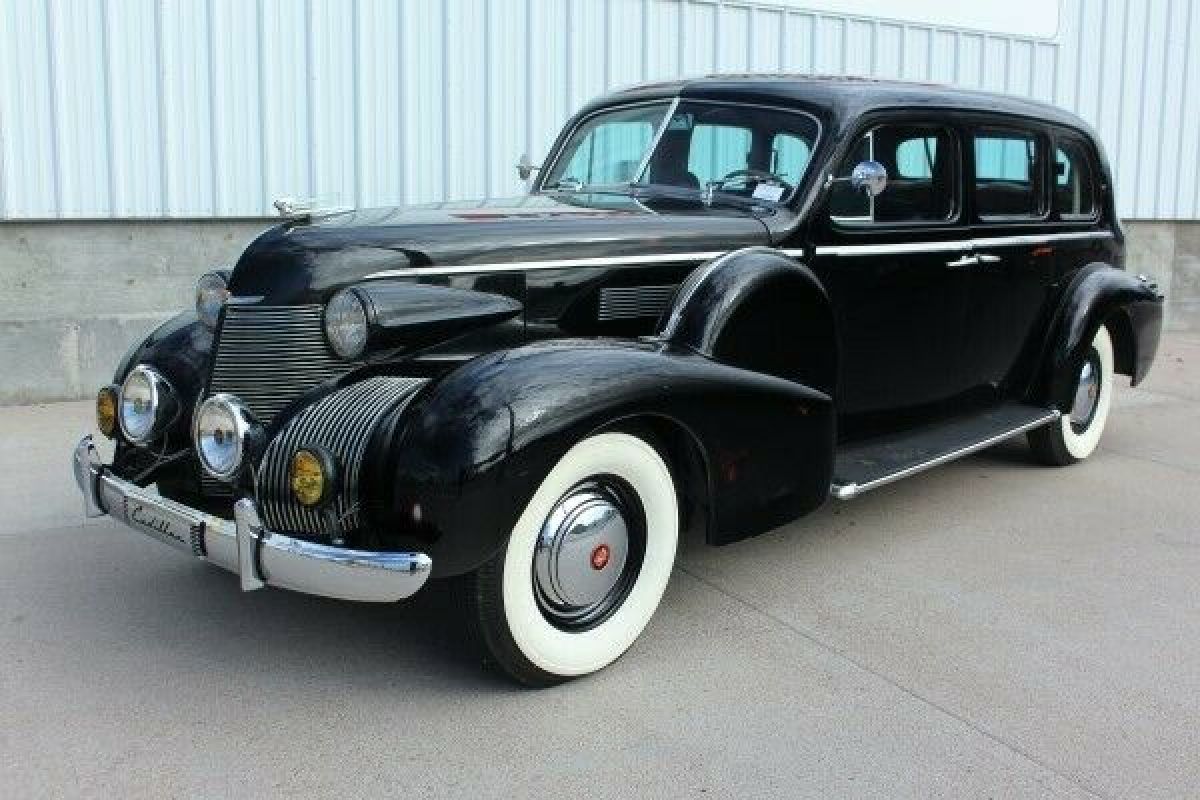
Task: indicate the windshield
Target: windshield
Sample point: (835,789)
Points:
(741,150)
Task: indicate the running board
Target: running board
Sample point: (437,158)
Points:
(866,465)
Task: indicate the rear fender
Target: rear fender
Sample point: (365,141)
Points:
(1098,295)
(452,471)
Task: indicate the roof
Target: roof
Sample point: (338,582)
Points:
(845,96)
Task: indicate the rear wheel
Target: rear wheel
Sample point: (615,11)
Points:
(1075,436)
(585,565)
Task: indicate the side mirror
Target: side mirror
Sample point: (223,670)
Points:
(526,167)
(870,177)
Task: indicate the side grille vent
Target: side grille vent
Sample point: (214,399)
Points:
(269,355)
(634,302)
(341,422)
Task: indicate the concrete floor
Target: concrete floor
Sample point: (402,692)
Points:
(990,629)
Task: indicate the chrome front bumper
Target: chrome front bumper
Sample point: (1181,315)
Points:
(244,547)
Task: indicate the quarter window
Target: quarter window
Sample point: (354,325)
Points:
(1074,189)
(922,164)
(1007,170)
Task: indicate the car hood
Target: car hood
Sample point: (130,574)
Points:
(305,262)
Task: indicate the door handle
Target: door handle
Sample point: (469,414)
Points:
(987,258)
(965,261)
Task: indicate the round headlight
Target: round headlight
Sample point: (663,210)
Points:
(212,290)
(220,431)
(147,404)
(346,324)
(106,411)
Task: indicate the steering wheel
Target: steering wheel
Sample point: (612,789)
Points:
(761,175)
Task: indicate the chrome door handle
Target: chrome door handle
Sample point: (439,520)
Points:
(965,261)
(987,258)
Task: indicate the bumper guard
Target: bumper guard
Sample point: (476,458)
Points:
(244,547)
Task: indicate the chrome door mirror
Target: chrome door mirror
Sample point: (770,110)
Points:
(526,167)
(870,177)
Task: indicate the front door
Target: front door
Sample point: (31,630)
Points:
(897,270)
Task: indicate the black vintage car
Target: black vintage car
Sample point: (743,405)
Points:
(723,302)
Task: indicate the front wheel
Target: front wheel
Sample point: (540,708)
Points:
(585,565)
(1075,436)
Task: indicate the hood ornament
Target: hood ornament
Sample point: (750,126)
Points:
(298,210)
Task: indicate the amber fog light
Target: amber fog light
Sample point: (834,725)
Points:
(312,476)
(106,411)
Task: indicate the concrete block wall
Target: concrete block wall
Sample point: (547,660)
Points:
(75,295)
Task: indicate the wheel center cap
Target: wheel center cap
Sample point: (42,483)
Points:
(600,556)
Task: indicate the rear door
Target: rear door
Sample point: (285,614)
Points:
(894,269)
(1014,261)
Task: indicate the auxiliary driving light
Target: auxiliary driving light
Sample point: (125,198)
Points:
(313,476)
(106,411)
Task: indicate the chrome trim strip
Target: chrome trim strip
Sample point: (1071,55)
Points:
(244,547)
(563,263)
(645,162)
(956,245)
(847,491)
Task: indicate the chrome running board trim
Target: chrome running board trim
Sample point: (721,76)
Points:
(847,491)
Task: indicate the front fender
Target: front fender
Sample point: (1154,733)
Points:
(180,349)
(1101,294)
(453,470)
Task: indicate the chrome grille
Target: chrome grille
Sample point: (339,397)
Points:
(267,356)
(342,423)
(634,302)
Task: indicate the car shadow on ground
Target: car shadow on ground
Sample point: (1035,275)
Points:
(194,615)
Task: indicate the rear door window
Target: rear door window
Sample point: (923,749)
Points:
(1074,186)
(1007,175)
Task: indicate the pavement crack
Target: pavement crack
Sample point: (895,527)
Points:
(893,682)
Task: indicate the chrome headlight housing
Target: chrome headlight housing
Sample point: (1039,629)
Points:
(222,431)
(346,324)
(212,290)
(148,404)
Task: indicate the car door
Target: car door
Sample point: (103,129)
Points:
(895,269)
(1014,255)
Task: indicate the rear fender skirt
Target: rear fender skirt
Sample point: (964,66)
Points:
(1099,293)
(454,469)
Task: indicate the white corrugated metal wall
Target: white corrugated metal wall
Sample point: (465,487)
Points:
(211,108)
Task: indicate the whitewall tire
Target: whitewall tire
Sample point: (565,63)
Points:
(1077,433)
(585,565)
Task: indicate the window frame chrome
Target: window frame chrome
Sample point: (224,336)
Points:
(675,101)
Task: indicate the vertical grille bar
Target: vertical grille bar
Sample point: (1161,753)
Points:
(270,355)
(342,423)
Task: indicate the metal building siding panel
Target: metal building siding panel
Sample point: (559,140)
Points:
(549,76)
(81,107)
(185,38)
(467,126)
(378,113)
(135,138)
(143,108)
(506,97)
(333,87)
(28,158)
(283,70)
(236,121)
(1186,157)
(1148,113)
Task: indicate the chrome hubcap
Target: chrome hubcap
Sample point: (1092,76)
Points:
(584,554)
(1087,394)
